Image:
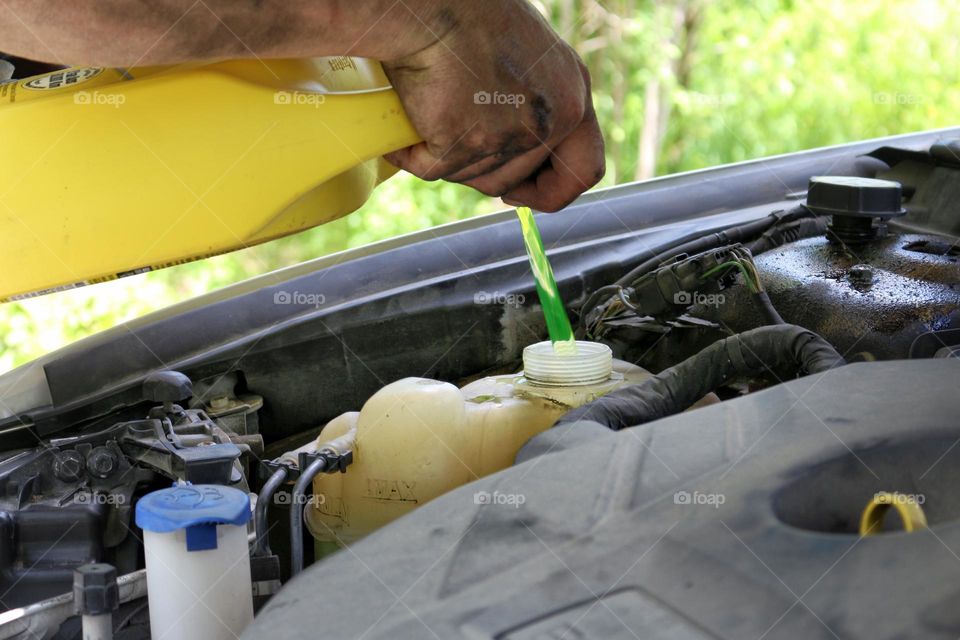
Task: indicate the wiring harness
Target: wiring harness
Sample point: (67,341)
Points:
(658,293)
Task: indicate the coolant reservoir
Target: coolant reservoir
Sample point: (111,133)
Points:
(197,559)
(108,172)
(417,438)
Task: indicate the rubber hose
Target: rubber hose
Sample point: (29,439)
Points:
(770,313)
(262,545)
(783,348)
(296,513)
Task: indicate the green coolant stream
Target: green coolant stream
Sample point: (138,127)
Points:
(558,324)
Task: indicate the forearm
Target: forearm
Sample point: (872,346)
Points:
(128,32)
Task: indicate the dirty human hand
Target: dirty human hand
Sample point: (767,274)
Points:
(503,104)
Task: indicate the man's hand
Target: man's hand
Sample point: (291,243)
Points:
(502,103)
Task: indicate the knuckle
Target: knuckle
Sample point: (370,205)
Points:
(597,176)
(492,191)
(482,141)
(430,176)
(425,175)
(490,187)
(544,117)
(573,110)
(585,74)
(557,117)
(526,140)
(443,142)
(477,170)
(428,169)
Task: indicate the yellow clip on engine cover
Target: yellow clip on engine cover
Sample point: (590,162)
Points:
(107,172)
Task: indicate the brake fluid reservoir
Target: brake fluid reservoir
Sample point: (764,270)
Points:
(198,565)
(417,439)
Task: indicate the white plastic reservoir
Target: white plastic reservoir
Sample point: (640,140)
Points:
(198,564)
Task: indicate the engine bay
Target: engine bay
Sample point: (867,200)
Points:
(333,432)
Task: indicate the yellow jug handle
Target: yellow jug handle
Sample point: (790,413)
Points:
(911,513)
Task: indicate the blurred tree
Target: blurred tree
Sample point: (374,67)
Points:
(678,84)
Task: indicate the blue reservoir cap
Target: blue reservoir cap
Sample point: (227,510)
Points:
(197,508)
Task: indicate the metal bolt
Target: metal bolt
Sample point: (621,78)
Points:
(861,274)
(102,462)
(68,466)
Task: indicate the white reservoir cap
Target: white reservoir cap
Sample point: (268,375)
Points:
(592,363)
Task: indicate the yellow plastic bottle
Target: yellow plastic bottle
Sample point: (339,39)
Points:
(107,172)
(417,439)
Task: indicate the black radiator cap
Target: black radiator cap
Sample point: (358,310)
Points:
(854,196)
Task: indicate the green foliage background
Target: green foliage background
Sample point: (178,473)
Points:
(679,85)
